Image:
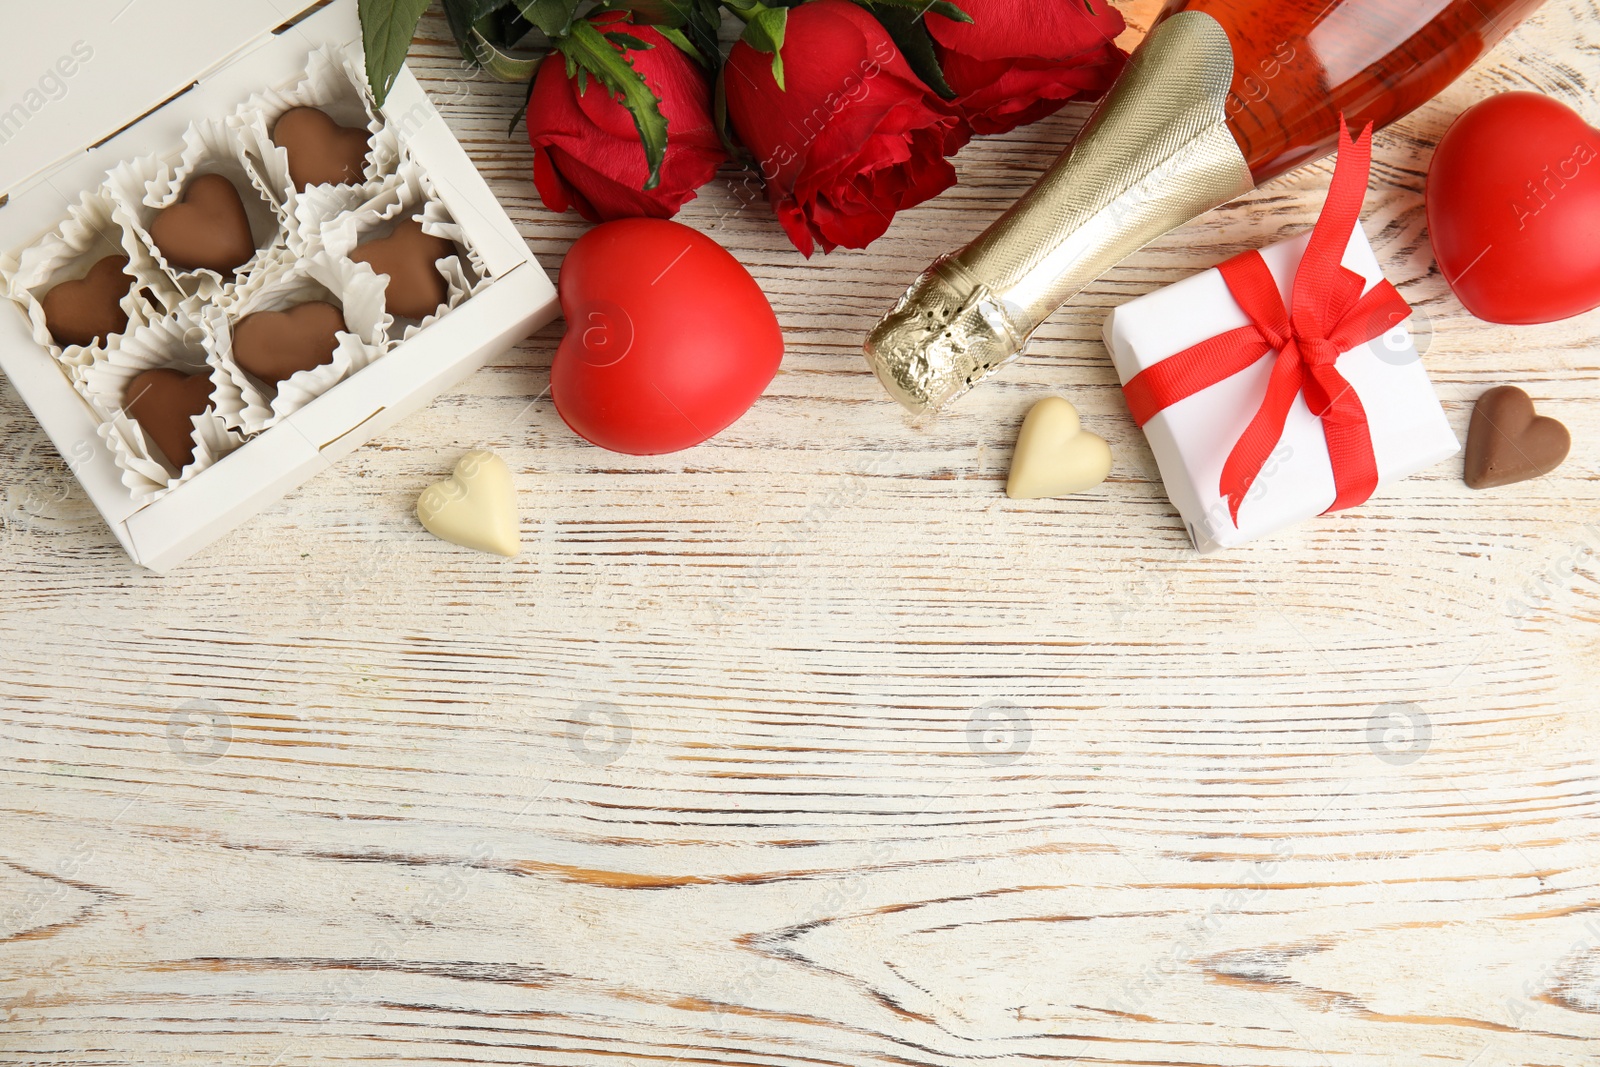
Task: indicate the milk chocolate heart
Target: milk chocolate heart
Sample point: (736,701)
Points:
(321,152)
(277,345)
(87,311)
(206,229)
(163,402)
(409,257)
(1507,442)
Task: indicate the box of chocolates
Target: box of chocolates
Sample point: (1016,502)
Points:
(226,267)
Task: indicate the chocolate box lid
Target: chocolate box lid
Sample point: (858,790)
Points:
(73,74)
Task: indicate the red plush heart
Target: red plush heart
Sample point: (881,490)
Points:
(669,340)
(1514,210)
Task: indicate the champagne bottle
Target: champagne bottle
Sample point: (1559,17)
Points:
(1221,96)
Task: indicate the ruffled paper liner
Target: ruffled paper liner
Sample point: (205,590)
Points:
(142,187)
(177,342)
(408,193)
(88,235)
(336,84)
(254,405)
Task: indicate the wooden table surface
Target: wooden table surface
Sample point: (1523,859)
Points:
(808,746)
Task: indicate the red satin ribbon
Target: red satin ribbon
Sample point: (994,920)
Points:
(1330,316)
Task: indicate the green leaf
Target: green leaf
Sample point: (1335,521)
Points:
(554,17)
(590,51)
(502,66)
(909,30)
(458,13)
(477,9)
(387,27)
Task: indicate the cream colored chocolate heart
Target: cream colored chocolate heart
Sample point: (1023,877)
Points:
(1054,456)
(476,507)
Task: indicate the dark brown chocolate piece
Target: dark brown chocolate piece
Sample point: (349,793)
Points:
(162,402)
(321,152)
(276,345)
(409,257)
(1507,442)
(206,229)
(87,311)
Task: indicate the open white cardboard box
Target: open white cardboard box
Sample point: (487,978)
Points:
(155,66)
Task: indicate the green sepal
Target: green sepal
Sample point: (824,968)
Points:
(675,13)
(909,31)
(554,17)
(590,52)
(765,32)
(684,45)
(523,110)
(920,7)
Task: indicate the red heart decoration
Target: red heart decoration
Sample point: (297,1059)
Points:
(1514,210)
(669,340)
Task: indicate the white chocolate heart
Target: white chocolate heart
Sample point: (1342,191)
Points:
(476,507)
(1054,455)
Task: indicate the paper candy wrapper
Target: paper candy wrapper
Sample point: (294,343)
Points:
(334,83)
(408,193)
(176,342)
(141,188)
(88,235)
(252,405)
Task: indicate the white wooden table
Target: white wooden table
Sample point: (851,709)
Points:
(808,747)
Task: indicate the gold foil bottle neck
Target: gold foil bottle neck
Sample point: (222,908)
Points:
(1156,153)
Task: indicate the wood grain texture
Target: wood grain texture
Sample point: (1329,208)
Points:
(808,747)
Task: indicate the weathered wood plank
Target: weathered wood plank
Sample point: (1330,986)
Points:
(810,747)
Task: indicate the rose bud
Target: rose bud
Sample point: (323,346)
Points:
(1016,63)
(853,136)
(587,153)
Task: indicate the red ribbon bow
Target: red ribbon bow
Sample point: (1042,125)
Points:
(1330,316)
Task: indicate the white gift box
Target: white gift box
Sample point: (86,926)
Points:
(94,83)
(1192,438)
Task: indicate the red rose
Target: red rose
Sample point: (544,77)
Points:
(853,137)
(1015,63)
(586,150)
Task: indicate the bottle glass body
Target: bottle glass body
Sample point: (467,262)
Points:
(1299,63)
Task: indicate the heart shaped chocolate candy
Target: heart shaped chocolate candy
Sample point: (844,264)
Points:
(409,257)
(206,229)
(476,507)
(87,311)
(321,152)
(1055,456)
(163,402)
(1507,442)
(276,345)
